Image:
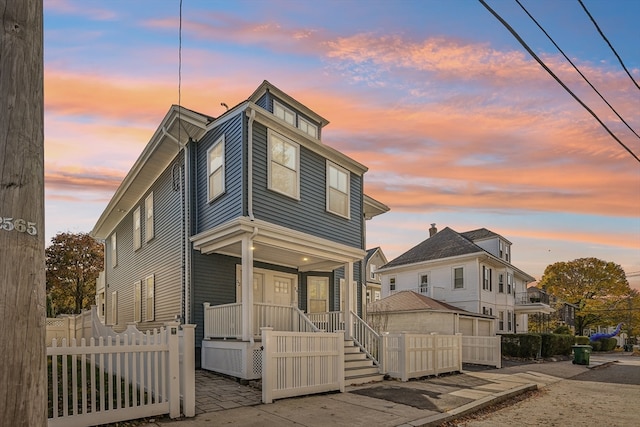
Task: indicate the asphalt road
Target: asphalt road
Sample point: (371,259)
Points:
(604,396)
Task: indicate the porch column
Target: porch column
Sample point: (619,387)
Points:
(348,298)
(247,289)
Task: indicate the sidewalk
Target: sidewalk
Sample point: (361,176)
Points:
(427,402)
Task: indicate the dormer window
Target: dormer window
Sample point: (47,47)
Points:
(284,113)
(309,128)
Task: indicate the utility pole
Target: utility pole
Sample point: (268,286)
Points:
(23,370)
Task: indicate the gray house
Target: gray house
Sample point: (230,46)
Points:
(237,214)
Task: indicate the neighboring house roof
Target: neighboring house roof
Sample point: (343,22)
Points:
(371,252)
(412,301)
(444,244)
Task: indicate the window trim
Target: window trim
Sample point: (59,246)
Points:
(137,301)
(392,279)
(149,214)
(149,307)
(501,320)
(339,169)
(372,269)
(286,109)
(114,250)
(501,283)
(271,135)
(455,286)
(424,287)
(220,141)
(137,229)
(309,125)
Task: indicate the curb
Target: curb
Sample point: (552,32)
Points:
(436,420)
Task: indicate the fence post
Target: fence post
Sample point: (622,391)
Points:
(459,344)
(341,359)
(174,369)
(497,353)
(403,358)
(267,372)
(206,330)
(188,374)
(382,352)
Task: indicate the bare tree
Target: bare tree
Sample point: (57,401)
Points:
(23,380)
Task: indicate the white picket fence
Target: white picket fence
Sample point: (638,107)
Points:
(299,363)
(121,377)
(482,350)
(408,356)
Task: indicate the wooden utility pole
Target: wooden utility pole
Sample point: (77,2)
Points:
(23,378)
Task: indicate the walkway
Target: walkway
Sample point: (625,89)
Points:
(216,393)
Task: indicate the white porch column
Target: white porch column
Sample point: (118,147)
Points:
(348,299)
(247,289)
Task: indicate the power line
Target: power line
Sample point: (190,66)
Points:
(543,65)
(576,68)
(607,40)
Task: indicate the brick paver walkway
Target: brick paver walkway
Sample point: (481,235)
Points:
(215,392)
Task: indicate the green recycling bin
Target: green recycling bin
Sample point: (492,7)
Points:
(581,354)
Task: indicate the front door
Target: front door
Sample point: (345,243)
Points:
(282,287)
(317,294)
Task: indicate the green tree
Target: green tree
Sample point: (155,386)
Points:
(74,261)
(599,288)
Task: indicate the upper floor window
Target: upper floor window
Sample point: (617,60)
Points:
(507,253)
(149,295)
(458,278)
(307,127)
(372,271)
(284,113)
(501,283)
(284,165)
(149,229)
(136,229)
(424,283)
(501,320)
(137,297)
(392,284)
(337,190)
(215,169)
(486,279)
(114,250)
(510,283)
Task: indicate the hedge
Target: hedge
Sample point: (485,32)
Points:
(556,344)
(521,345)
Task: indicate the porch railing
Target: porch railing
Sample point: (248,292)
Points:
(329,321)
(368,339)
(225,321)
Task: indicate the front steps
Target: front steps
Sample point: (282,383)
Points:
(358,368)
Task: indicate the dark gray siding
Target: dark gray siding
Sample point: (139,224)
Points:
(162,256)
(230,204)
(334,291)
(308,214)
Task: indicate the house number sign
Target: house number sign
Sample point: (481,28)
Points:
(19,225)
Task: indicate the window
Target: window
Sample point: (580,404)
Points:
(284,113)
(114,250)
(509,321)
(392,284)
(458,278)
(114,307)
(215,169)
(486,282)
(376,295)
(424,283)
(510,284)
(372,271)
(307,127)
(149,295)
(149,229)
(284,165)
(501,283)
(136,229)
(337,190)
(137,301)
(501,321)
(501,249)
(100,304)
(507,253)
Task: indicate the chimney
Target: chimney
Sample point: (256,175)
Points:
(433,230)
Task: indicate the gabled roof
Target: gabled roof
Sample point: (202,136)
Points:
(482,234)
(372,251)
(411,301)
(444,244)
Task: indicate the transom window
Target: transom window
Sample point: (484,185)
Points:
(284,165)
(215,169)
(337,190)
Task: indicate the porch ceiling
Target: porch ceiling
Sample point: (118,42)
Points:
(277,245)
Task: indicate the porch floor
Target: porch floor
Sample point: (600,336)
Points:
(215,392)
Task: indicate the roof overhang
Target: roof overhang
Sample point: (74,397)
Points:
(372,207)
(533,308)
(276,245)
(177,127)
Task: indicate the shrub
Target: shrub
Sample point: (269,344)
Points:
(562,330)
(521,345)
(596,345)
(580,340)
(556,344)
(608,344)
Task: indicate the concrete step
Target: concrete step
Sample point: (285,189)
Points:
(363,370)
(363,379)
(362,363)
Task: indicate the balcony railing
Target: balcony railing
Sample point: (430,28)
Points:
(523,298)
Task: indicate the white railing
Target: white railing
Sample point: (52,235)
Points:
(408,356)
(225,321)
(365,337)
(297,363)
(329,321)
(482,350)
(120,378)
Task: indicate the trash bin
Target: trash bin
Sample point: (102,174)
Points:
(581,354)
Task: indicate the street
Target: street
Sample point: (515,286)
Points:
(604,396)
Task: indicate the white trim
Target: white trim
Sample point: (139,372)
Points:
(329,187)
(149,226)
(279,107)
(307,127)
(220,143)
(271,136)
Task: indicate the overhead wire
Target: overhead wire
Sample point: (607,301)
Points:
(552,74)
(576,68)
(607,40)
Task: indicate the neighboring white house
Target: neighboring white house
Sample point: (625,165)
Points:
(373,260)
(411,312)
(471,271)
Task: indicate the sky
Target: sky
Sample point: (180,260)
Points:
(457,123)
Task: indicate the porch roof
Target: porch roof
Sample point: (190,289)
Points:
(277,245)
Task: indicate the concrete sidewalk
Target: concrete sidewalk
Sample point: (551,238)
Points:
(426,402)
